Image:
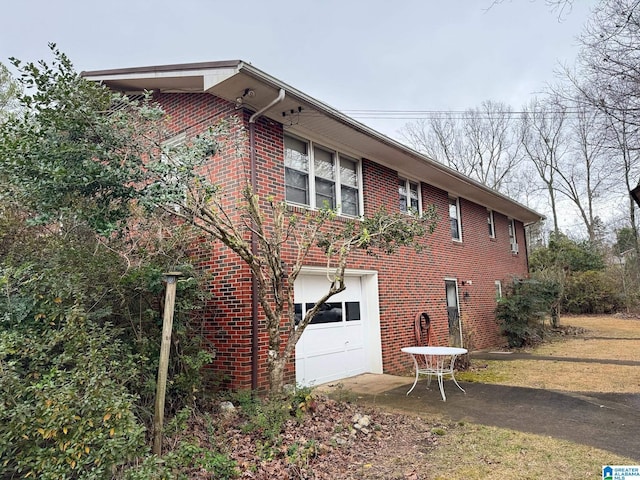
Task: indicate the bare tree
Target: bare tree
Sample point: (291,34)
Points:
(561,8)
(585,174)
(623,146)
(480,143)
(440,138)
(543,135)
(610,60)
(608,77)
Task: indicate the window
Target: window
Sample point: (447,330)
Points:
(318,177)
(353,311)
(325,178)
(498,284)
(492,225)
(513,241)
(296,170)
(454,217)
(349,186)
(331,312)
(328,313)
(409,193)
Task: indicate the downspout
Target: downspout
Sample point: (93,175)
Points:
(254,240)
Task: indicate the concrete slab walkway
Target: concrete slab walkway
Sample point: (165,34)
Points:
(607,421)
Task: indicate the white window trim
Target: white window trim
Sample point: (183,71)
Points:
(491,221)
(498,285)
(407,181)
(311,145)
(457,200)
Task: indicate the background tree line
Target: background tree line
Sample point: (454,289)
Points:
(571,152)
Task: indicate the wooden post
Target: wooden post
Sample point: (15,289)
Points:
(163,365)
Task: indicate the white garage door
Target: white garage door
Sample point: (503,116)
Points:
(333,346)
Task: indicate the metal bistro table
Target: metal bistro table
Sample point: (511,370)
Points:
(434,361)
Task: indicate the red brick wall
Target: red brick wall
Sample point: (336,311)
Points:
(409,282)
(413,282)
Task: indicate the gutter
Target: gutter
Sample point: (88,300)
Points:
(254,240)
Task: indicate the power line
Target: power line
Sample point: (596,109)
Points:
(381,114)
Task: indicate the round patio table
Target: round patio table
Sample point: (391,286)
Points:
(435,362)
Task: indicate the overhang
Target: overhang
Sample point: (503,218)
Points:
(251,88)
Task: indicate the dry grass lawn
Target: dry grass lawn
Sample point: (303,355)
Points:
(622,343)
(606,326)
(474,452)
(557,375)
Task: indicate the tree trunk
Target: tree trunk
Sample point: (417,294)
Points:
(276,374)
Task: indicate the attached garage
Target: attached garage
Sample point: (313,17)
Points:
(343,339)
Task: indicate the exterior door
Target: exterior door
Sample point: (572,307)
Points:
(453,313)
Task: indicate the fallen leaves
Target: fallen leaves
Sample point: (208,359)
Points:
(332,442)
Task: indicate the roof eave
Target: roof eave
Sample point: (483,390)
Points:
(205,76)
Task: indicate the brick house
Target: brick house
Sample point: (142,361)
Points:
(306,152)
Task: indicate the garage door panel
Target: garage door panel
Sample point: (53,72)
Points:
(310,288)
(354,346)
(353,334)
(322,340)
(323,368)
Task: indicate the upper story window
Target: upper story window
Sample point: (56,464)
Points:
(454,217)
(349,186)
(325,178)
(319,177)
(409,193)
(513,241)
(296,161)
(491,223)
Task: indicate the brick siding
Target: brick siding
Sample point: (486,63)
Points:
(409,282)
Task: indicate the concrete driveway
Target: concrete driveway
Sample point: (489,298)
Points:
(607,421)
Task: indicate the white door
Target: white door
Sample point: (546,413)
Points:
(333,345)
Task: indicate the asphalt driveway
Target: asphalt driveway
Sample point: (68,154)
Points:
(607,421)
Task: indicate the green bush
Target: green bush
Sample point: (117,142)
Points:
(187,454)
(592,292)
(65,413)
(81,281)
(567,255)
(80,331)
(521,311)
(182,463)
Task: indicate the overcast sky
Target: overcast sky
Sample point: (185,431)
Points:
(353,55)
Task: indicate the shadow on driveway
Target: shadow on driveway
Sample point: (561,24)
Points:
(607,421)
